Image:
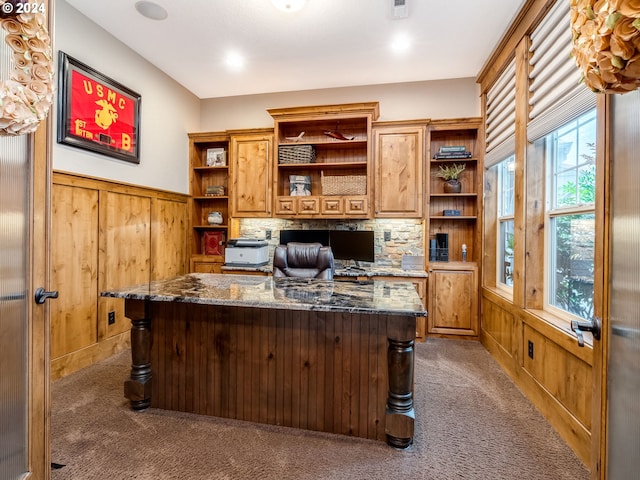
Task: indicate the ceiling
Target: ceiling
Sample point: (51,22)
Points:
(328,44)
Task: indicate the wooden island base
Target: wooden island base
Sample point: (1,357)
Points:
(337,372)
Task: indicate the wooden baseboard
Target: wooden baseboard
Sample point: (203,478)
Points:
(72,362)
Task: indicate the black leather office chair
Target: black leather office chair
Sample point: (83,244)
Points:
(303,260)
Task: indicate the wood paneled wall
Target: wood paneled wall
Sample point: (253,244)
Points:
(106,235)
(546,363)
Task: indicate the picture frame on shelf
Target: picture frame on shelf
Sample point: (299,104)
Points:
(97,113)
(216,157)
(299,185)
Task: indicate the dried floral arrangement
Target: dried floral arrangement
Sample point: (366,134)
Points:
(26,96)
(606,43)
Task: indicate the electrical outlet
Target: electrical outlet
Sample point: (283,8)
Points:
(112,317)
(267,234)
(387,236)
(530,345)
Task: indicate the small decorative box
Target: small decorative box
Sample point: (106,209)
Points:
(451,213)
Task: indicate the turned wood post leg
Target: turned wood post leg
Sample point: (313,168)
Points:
(138,388)
(400,416)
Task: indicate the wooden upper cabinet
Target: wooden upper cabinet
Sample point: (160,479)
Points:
(399,156)
(251,174)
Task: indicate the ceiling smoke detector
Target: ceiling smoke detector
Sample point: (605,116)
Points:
(399,8)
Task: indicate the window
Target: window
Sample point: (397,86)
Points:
(506,178)
(570,216)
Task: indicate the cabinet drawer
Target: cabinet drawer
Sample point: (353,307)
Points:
(308,205)
(285,206)
(205,267)
(356,206)
(331,206)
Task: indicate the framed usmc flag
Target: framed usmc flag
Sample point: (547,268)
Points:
(97,113)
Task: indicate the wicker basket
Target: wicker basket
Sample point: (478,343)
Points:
(343,184)
(288,154)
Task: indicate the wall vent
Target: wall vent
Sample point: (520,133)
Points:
(399,8)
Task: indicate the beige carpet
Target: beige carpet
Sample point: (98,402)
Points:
(471,423)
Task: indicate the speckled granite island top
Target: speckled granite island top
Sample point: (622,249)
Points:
(289,293)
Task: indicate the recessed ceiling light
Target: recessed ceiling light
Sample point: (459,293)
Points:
(289,5)
(234,61)
(151,10)
(400,43)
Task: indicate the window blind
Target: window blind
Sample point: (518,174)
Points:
(501,117)
(556,94)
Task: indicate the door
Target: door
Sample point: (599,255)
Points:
(24,403)
(621,435)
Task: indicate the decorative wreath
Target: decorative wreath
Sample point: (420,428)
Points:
(606,43)
(26,96)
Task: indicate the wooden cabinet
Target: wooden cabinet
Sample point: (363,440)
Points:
(461,222)
(209,188)
(399,156)
(330,149)
(251,173)
(453,299)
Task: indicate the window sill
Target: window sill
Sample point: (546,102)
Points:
(503,293)
(553,327)
(559,330)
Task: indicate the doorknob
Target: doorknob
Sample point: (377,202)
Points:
(594,326)
(41,295)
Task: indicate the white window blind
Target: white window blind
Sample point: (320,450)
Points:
(556,94)
(501,117)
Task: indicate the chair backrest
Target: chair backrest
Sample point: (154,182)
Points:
(303,260)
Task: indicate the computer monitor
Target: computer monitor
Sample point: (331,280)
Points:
(356,245)
(304,236)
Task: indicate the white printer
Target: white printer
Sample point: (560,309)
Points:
(246,252)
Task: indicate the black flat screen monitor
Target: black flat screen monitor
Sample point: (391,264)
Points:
(357,245)
(304,236)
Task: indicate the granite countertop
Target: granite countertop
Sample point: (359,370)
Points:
(353,296)
(369,272)
(375,271)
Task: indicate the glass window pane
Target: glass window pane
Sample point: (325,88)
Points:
(571,280)
(507,181)
(573,162)
(506,253)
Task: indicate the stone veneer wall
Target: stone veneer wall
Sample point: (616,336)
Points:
(406,234)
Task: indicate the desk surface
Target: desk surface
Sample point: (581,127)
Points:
(353,296)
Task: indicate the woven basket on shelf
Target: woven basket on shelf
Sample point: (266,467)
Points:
(343,184)
(296,154)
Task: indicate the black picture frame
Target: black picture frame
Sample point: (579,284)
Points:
(97,113)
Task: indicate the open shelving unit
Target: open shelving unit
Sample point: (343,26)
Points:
(203,176)
(463,228)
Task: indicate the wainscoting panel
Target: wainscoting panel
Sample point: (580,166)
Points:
(106,235)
